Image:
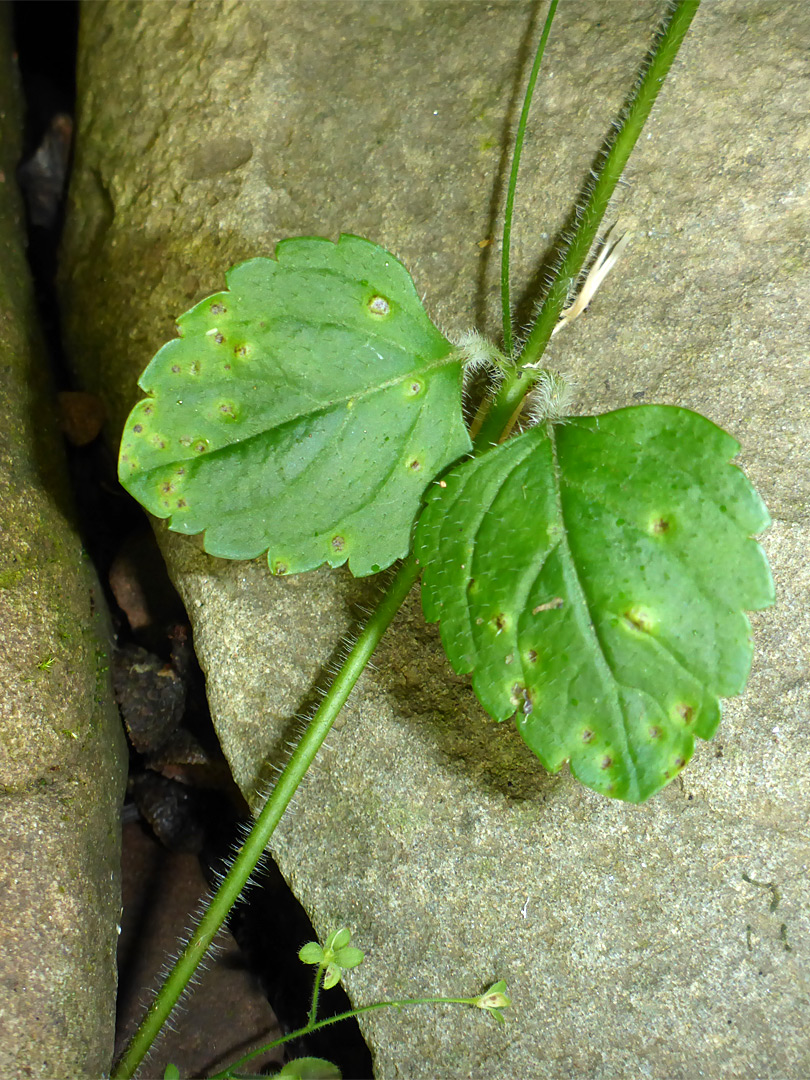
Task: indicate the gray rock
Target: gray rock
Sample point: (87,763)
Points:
(62,753)
(663,941)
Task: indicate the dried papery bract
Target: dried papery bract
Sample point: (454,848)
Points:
(607,257)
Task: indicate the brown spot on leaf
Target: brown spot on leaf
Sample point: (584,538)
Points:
(378,305)
(686,712)
(338,543)
(638,619)
(520,691)
(550,605)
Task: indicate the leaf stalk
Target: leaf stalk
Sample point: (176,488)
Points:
(608,172)
(230,1072)
(508,214)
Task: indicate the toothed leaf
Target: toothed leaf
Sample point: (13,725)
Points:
(593,576)
(310,1068)
(301,413)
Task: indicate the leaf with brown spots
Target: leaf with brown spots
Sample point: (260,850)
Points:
(593,575)
(301,413)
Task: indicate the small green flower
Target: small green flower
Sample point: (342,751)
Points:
(335,955)
(494,1000)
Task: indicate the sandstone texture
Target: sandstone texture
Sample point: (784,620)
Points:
(62,752)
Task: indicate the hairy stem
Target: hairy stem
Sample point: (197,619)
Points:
(350,1014)
(251,851)
(316,990)
(518,382)
(506,303)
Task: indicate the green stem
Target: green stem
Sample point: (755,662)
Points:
(517,383)
(506,304)
(350,1014)
(316,990)
(254,846)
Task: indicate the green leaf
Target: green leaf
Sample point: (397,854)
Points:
(171,1072)
(337,939)
(593,575)
(310,1068)
(311,953)
(349,957)
(301,413)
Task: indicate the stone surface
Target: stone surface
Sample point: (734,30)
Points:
(664,941)
(62,753)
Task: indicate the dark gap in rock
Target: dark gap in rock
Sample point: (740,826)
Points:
(46,38)
(183,808)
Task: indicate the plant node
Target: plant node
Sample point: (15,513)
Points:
(479,354)
(549,399)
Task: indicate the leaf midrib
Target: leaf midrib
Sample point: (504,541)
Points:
(304,477)
(589,630)
(362,396)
